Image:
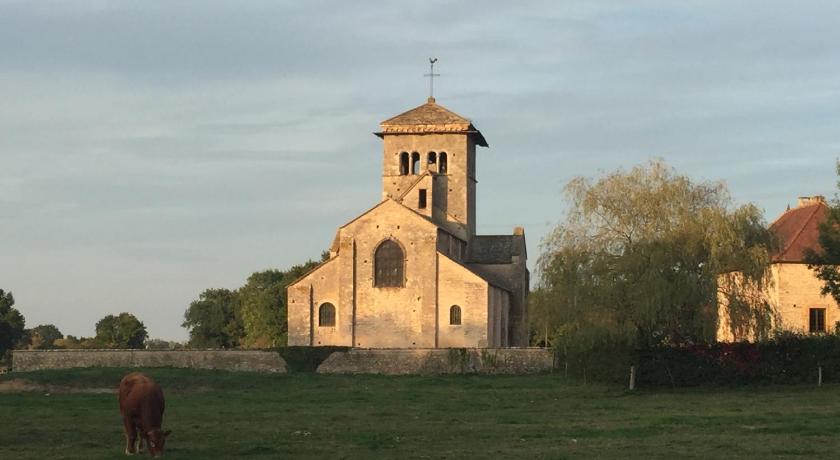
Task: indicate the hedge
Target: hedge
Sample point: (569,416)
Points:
(785,359)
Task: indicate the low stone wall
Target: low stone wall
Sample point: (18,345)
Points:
(228,360)
(439,361)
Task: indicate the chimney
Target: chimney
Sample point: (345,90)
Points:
(518,231)
(810,200)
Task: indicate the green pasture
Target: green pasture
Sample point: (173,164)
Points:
(58,414)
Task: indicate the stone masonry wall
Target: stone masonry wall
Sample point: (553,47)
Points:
(797,291)
(440,361)
(229,360)
(793,291)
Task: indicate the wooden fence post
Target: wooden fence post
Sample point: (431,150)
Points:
(632,378)
(819,376)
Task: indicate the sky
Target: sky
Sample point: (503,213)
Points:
(151,150)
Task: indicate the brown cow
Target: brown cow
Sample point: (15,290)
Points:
(141,406)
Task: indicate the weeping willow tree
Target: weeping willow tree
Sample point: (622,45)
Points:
(638,261)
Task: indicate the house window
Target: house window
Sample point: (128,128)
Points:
(326,315)
(389,265)
(816,320)
(431,159)
(404,164)
(442,163)
(421,202)
(415,163)
(455,315)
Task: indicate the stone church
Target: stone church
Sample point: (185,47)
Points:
(411,271)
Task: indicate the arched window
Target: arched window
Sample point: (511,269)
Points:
(442,163)
(415,163)
(455,315)
(431,159)
(404,164)
(326,315)
(388,265)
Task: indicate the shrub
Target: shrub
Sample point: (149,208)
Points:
(788,358)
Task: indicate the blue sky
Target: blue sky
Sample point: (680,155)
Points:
(150,150)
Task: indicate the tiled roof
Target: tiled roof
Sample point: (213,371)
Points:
(798,230)
(428,113)
(494,249)
(430,118)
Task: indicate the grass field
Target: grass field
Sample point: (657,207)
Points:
(232,415)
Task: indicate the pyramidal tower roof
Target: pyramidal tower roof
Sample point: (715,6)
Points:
(430,118)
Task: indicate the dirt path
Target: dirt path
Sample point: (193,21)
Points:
(25,386)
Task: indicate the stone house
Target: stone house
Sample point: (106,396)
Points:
(411,271)
(794,292)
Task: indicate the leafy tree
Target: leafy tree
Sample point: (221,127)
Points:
(253,316)
(12,323)
(123,331)
(213,320)
(825,262)
(44,336)
(637,261)
(263,304)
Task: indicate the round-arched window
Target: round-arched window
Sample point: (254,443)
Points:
(326,315)
(404,164)
(455,315)
(389,265)
(442,164)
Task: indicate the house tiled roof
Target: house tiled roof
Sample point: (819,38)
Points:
(430,118)
(798,230)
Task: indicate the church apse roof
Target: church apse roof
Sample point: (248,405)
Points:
(430,118)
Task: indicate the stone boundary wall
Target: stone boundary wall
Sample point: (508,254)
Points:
(228,360)
(439,361)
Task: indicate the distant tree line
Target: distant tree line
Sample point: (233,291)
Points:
(252,316)
(112,331)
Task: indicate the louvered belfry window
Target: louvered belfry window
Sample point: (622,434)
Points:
(389,265)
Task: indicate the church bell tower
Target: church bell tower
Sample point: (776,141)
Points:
(429,165)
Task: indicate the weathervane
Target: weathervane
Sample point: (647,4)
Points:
(432,76)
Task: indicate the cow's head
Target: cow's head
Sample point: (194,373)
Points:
(156,440)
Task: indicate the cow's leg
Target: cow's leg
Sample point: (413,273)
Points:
(140,437)
(130,435)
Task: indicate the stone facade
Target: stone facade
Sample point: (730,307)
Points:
(447,286)
(228,360)
(793,291)
(437,361)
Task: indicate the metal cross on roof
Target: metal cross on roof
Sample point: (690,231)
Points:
(432,76)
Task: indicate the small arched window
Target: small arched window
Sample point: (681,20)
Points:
(455,315)
(389,265)
(326,315)
(415,163)
(442,163)
(431,159)
(404,164)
